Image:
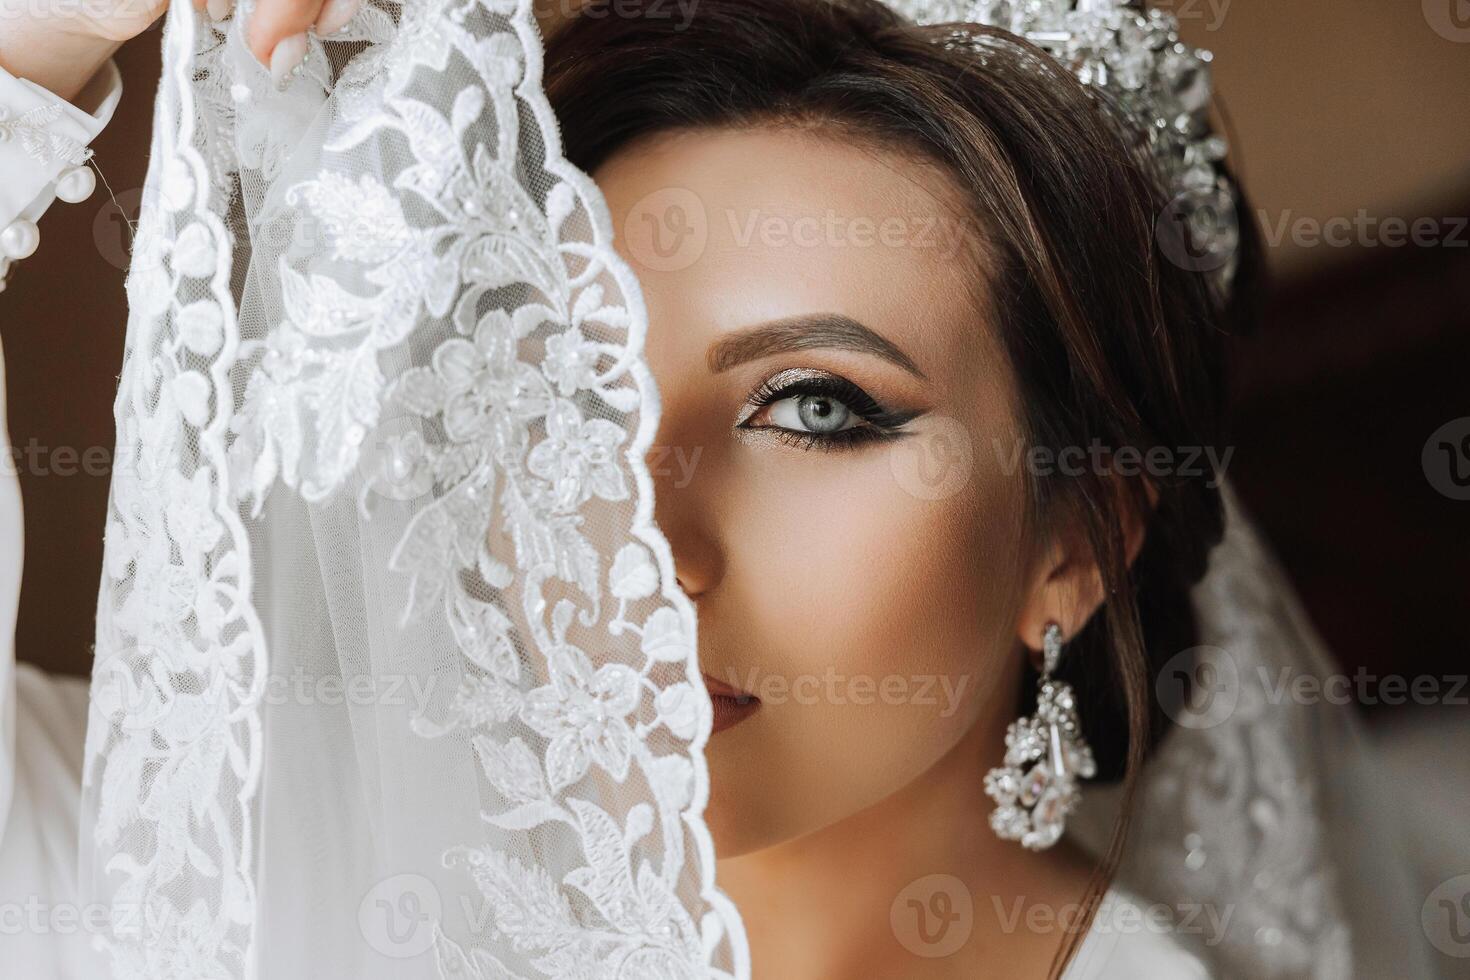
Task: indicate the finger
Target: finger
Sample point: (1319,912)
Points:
(276,34)
(218,10)
(334,16)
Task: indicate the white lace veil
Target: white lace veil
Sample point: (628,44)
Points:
(1260,823)
(393,676)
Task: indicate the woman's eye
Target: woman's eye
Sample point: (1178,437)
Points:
(818,414)
(821,411)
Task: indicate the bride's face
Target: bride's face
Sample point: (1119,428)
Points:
(834,466)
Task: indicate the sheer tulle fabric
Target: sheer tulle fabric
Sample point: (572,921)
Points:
(1261,822)
(393,678)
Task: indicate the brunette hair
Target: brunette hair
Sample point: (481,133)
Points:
(1109,341)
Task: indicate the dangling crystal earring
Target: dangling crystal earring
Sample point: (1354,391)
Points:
(1045,756)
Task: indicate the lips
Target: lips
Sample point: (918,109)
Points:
(731,704)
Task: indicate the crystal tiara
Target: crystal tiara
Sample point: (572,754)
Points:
(1158,83)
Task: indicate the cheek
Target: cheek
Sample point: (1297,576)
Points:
(874,621)
(865,576)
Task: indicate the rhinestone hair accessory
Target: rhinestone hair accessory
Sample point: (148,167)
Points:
(1134,57)
(1036,788)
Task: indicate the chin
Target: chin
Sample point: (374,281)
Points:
(738,814)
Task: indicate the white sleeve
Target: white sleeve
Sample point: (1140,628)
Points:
(1130,939)
(12,537)
(43,152)
(45,931)
(42,718)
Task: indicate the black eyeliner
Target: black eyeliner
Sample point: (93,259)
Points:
(879,423)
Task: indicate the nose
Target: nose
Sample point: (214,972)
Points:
(684,509)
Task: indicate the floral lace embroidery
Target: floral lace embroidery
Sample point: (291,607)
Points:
(507,435)
(173,736)
(1229,811)
(38,140)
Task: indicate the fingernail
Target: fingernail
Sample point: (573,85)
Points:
(335,15)
(286,59)
(219,9)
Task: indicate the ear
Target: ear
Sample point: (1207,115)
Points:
(1065,583)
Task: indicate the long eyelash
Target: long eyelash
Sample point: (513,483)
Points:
(882,424)
(844,439)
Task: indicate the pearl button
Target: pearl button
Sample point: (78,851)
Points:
(20,240)
(76,185)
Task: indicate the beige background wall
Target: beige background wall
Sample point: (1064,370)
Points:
(1342,104)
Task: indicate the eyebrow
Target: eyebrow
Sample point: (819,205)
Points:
(804,333)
